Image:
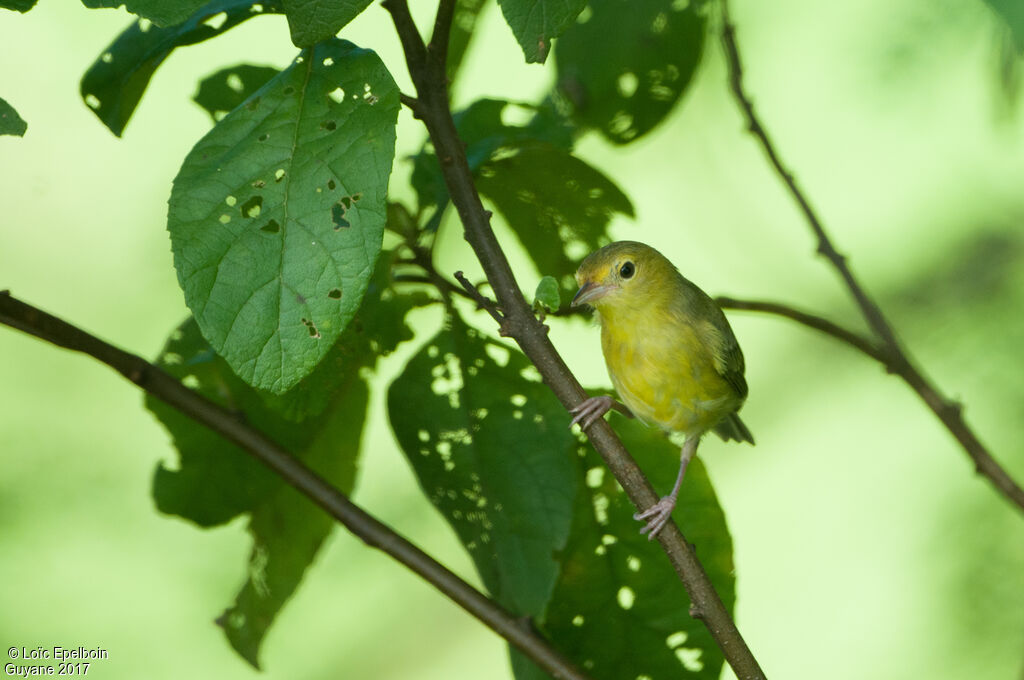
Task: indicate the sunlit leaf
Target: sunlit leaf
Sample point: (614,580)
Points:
(627,65)
(547,295)
(277,215)
(10,122)
(492,451)
(113,85)
(222,91)
(619,610)
(558,205)
(536,22)
(312,21)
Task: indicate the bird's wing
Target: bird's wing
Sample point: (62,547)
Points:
(725,351)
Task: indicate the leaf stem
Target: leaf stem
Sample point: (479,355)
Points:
(520,323)
(152,379)
(896,359)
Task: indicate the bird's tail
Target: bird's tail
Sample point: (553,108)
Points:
(732,428)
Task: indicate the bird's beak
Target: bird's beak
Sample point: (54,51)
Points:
(589,292)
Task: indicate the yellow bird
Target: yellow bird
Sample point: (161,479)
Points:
(670,352)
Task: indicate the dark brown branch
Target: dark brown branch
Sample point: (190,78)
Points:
(163,386)
(521,324)
(898,360)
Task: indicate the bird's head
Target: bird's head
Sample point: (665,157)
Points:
(624,273)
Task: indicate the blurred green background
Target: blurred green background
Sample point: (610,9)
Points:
(865,545)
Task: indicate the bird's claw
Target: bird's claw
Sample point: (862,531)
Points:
(590,410)
(657,516)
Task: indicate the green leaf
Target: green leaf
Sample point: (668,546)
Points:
(312,21)
(491,450)
(18,5)
(320,419)
(277,215)
(467,13)
(10,122)
(113,85)
(559,206)
(536,22)
(547,295)
(226,89)
(216,480)
(618,609)
(288,529)
(481,128)
(160,12)
(649,51)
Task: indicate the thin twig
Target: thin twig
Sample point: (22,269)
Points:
(374,533)
(898,360)
(482,301)
(810,320)
(521,324)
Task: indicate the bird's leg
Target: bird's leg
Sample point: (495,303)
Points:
(589,410)
(659,513)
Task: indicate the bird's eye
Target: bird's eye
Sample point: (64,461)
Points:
(627,270)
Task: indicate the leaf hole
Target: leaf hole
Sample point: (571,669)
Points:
(626,597)
(578,620)
(311,327)
(191,382)
(334,293)
(224,219)
(107,58)
(216,21)
(518,400)
(271,227)
(234,81)
(328,61)
(259,184)
(264,137)
(337,95)
(145,25)
(595,477)
(331,185)
(690,658)
(628,83)
(252,207)
(257,8)
(633,563)
(230,200)
(338,216)
(92,101)
(279,174)
(676,639)
(329,125)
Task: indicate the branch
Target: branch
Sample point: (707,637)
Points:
(161,385)
(897,360)
(520,324)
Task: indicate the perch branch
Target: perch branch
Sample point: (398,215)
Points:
(520,324)
(897,359)
(374,533)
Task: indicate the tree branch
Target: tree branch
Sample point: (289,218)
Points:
(374,533)
(897,360)
(520,324)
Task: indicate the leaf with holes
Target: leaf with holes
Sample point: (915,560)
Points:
(491,450)
(558,206)
(10,122)
(222,91)
(113,85)
(618,609)
(320,420)
(481,128)
(311,21)
(160,12)
(536,22)
(649,52)
(277,215)
(217,481)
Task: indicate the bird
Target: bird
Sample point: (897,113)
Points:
(671,355)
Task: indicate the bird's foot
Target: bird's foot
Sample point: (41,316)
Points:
(657,516)
(590,410)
